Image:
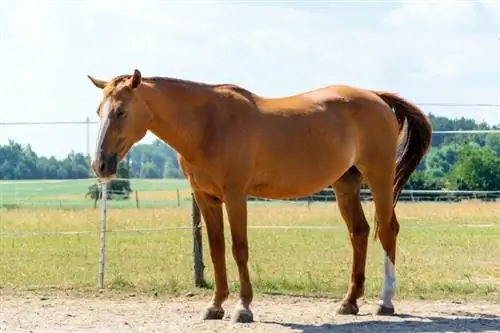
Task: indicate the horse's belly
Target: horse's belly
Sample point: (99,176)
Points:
(301,165)
(274,191)
(302,179)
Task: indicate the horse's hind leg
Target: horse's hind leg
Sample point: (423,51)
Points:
(379,178)
(347,192)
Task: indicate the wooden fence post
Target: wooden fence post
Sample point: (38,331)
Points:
(199,279)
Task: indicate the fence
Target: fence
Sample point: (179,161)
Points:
(65,195)
(323,196)
(160,193)
(176,195)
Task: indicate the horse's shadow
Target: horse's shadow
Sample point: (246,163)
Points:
(467,322)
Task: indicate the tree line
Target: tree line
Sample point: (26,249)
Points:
(455,161)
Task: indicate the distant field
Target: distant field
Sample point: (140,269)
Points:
(71,193)
(445,250)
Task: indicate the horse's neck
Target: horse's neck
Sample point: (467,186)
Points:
(174,117)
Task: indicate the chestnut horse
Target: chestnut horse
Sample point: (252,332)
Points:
(232,143)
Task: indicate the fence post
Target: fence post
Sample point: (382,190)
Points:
(199,279)
(102,245)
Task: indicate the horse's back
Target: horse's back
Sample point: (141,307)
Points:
(348,95)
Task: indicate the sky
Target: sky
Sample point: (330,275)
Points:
(428,52)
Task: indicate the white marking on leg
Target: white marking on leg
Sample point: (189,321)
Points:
(389,285)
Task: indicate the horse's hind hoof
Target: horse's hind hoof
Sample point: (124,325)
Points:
(348,308)
(242,315)
(213,313)
(384,311)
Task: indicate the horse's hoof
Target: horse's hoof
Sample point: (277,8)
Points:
(385,310)
(242,315)
(348,308)
(213,313)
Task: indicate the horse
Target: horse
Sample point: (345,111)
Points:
(232,143)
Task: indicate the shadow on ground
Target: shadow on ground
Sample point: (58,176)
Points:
(467,322)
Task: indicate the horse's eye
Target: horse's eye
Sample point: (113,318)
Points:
(120,113)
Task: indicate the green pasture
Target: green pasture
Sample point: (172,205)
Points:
(71,193)
(445,251)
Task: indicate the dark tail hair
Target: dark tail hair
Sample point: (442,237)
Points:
(416,142)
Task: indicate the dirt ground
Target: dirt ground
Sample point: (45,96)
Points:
(271,313)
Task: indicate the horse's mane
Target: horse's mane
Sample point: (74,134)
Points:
(159,80)
(165,79)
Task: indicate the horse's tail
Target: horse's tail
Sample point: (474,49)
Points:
(416,142)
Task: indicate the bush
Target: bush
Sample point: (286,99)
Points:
(118,189)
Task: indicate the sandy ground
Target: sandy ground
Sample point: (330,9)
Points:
(272,314)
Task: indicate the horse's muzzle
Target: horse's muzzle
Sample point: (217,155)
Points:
(105,166)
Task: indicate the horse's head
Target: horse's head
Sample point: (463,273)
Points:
(124,119)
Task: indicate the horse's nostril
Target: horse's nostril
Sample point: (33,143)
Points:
(102,166)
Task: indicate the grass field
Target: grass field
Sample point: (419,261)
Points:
(71,193)
(445,250)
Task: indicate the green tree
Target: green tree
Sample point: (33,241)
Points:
(150,170)
(492,141)
(477,168)
(169,171)
(422,180)
(440,160)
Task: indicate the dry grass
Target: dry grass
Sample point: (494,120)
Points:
(438,257)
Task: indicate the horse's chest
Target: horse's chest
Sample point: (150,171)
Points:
(204,182)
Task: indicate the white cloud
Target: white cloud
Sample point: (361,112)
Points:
(437,52)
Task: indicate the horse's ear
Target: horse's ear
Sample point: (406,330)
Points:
(136,79)
(98,83)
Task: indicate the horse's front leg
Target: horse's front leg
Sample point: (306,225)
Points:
(211,210)
(236,207)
